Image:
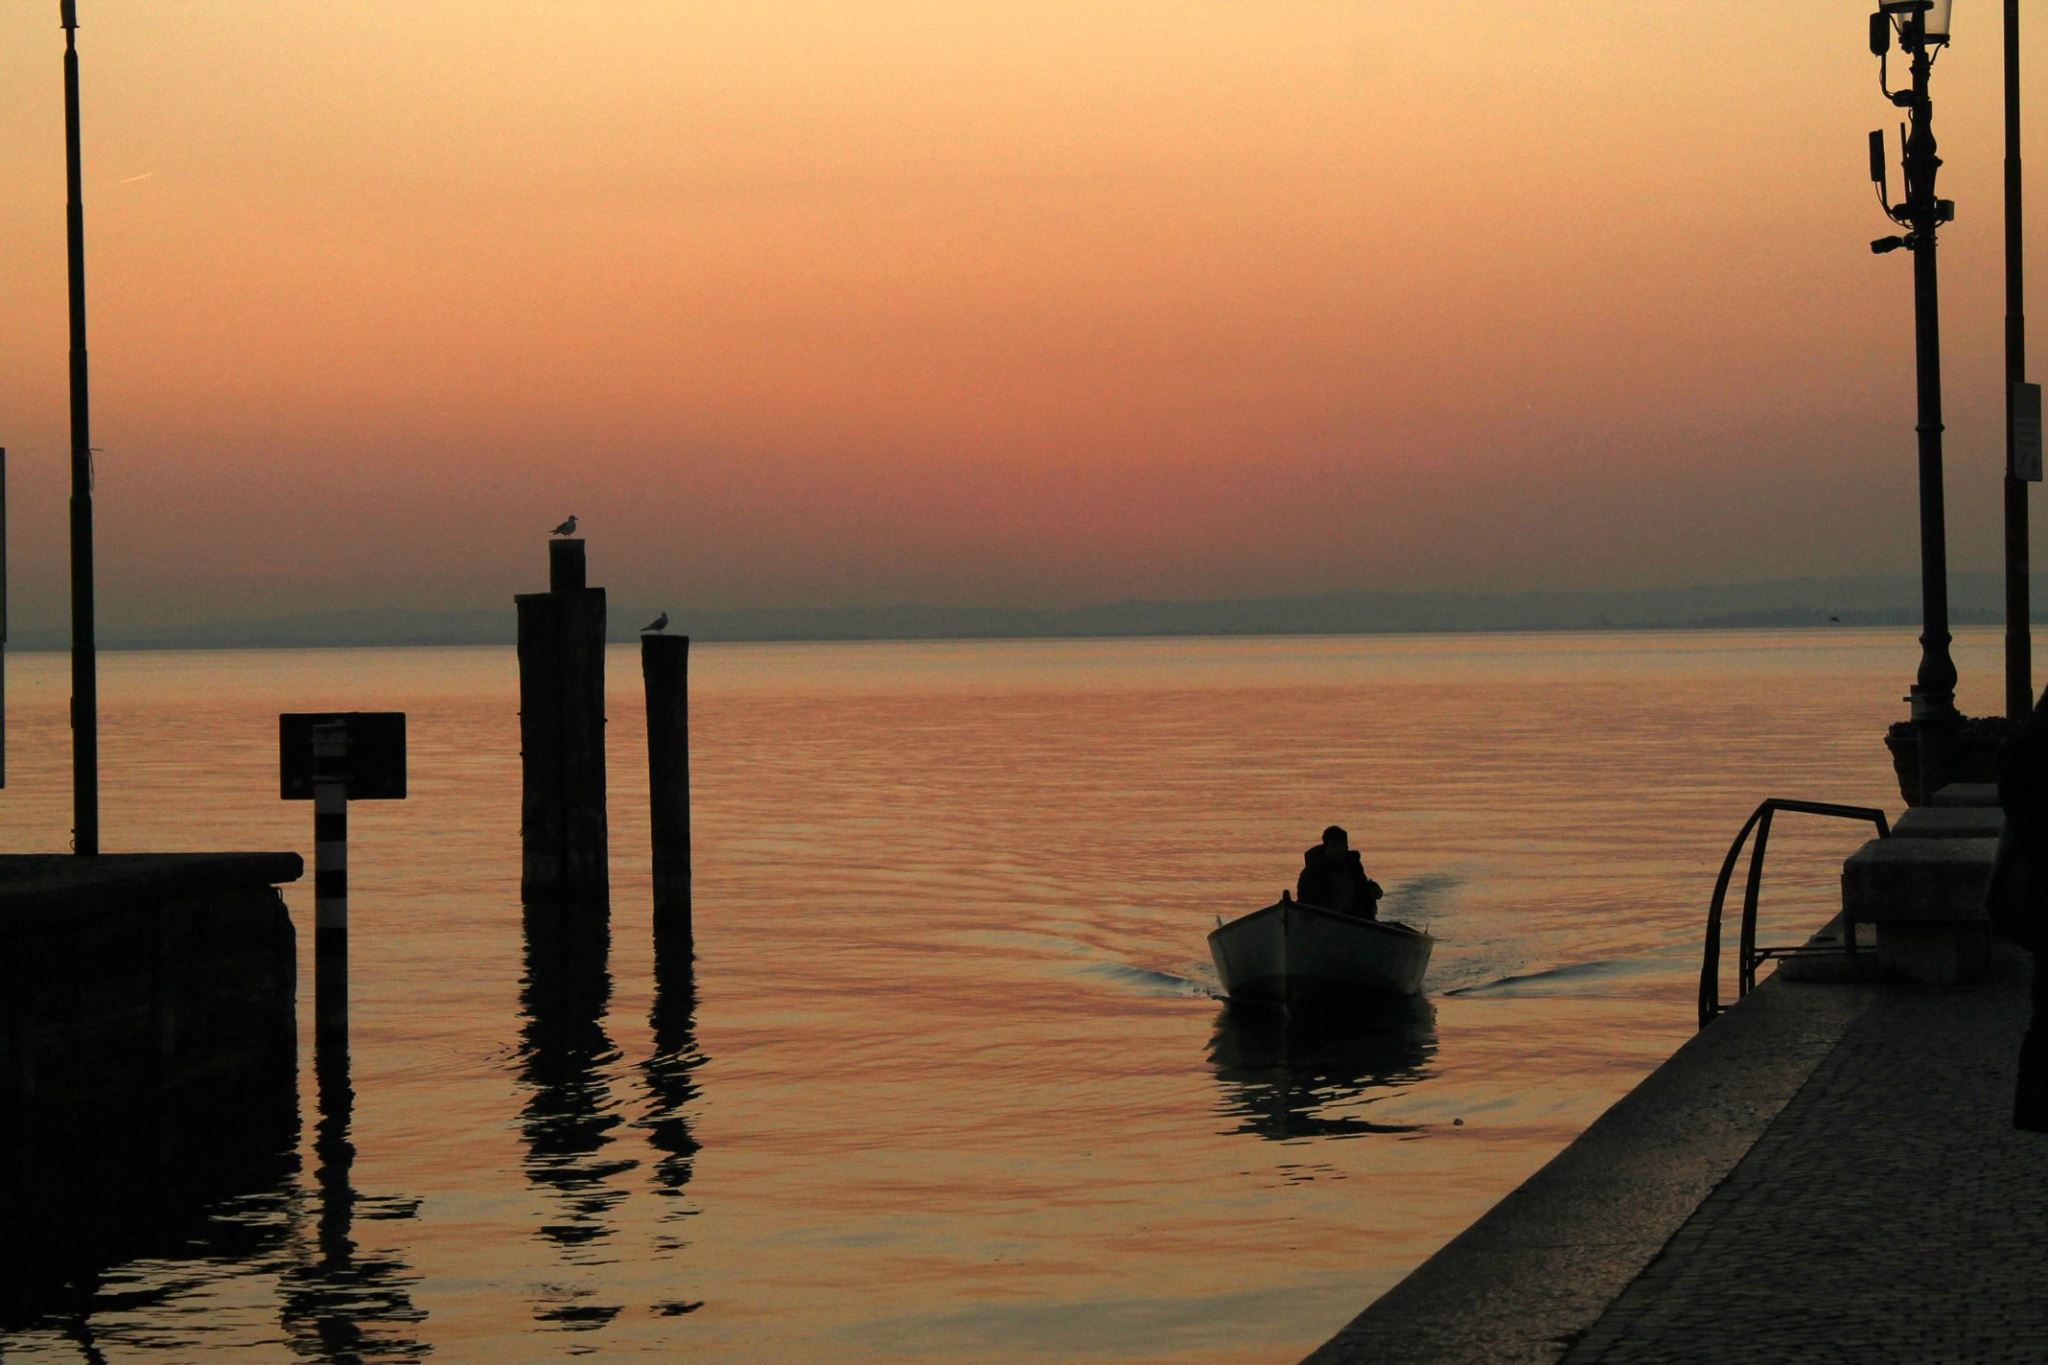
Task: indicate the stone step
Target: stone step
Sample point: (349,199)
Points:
(1926,898)
(1950,822)
(1825,958)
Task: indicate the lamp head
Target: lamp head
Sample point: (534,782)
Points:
(1920,22)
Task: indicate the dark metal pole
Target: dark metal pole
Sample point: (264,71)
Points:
(1934,691)
(85,734)
(2019,650)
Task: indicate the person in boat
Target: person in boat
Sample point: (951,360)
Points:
(1333,877)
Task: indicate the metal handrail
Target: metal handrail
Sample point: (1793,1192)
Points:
(1749,954)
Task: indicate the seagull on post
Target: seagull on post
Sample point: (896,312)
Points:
(567,528)
(656,626)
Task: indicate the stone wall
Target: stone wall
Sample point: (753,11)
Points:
(132,983)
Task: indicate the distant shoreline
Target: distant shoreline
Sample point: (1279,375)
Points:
(172,644)
(1878,601)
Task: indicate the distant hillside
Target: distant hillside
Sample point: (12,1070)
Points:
(1892,600)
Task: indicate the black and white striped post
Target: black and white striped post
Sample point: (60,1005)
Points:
(330,829)
(331,758)
(330,875)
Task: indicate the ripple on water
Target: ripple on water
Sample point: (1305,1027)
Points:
(948,1079)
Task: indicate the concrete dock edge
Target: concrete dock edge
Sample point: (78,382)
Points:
(1540,1267)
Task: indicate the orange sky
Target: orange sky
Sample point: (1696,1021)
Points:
(815,303)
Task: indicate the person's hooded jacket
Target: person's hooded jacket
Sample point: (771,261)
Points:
(1324,880)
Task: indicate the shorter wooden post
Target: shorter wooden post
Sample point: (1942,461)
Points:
(665,668)
(568,570)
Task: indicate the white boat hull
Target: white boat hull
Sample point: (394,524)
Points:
(1290,952)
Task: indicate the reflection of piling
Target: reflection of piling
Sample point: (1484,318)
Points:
(569,1118)
(665,666)
(670,1071)
(561,735)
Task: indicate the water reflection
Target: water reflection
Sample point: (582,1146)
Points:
(1304,1075)
(335,1301)
(670,1072)
(670,1075)
(194,1183)
(569,1117)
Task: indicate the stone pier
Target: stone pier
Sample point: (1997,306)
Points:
(130,983)
(1827,1172)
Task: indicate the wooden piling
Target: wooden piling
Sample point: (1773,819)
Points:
(665,668)
(561,736)
(566,569)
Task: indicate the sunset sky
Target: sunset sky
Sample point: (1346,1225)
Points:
(830,303)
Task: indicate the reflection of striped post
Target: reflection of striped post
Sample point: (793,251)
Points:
(330,828)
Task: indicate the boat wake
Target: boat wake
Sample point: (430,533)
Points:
(1157,983)
(1561,978)
(1421,897)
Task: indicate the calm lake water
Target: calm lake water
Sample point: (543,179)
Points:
(951,1079)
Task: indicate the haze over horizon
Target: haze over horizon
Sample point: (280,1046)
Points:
(797,304)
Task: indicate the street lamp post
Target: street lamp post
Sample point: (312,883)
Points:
(2019,640)
(1922,29)
(85,706)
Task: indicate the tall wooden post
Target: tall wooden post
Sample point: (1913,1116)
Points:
(665,668)
(561,737)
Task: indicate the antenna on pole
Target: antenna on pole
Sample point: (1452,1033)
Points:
(85,734)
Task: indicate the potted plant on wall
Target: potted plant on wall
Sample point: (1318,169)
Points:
(1973,753)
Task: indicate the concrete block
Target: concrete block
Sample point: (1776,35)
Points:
(1950,822)
(1926,898)
(1935,954)
(1967,794)
(1918,881)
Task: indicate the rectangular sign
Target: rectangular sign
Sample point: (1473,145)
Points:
(373,763)
(2026,432)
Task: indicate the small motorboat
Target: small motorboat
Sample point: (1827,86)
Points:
(1295,953)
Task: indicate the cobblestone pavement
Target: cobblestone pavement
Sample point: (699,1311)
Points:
(1535,1272)
(1890,1212)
